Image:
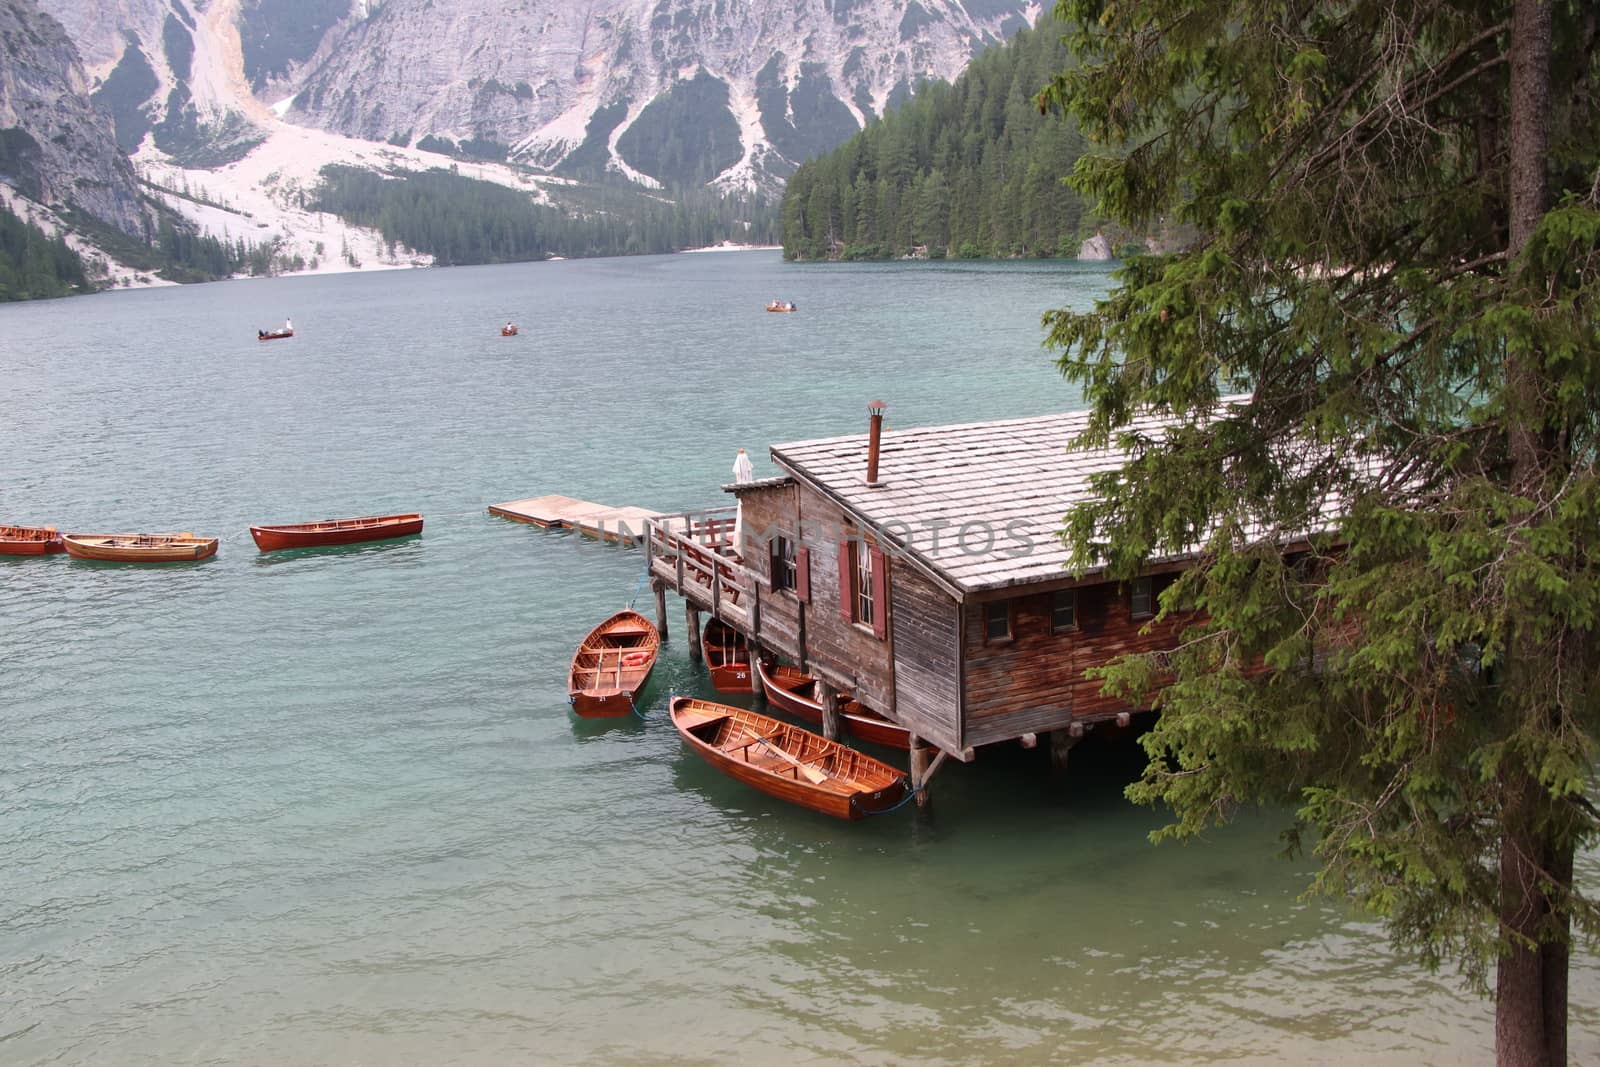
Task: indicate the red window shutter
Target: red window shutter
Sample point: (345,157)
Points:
(802,574)
(847,582)
(880,593)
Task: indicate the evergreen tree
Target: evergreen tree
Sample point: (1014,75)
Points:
(1000,164)
(1401,268)
(34,265)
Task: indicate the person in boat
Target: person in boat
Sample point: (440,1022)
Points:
(260,333)
(288,327)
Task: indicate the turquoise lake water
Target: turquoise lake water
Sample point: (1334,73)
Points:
(331,807)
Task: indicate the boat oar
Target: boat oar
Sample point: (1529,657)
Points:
(816,775)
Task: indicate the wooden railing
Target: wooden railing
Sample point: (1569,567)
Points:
(693,553)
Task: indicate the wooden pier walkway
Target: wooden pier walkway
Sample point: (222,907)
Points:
(556,512)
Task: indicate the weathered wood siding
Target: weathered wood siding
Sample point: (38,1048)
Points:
(927,647)
(846,654)
(1036,682)
(767,511)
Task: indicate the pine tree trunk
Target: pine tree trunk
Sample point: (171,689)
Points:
(1553,959)
(1520,1025)
(1526,983)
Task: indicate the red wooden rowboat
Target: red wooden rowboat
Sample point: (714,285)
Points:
(611,665)
(273,335)
(787,762)
(140,548)
(796,692)
(29,541)
(336,531)
(508,330)
(727,657)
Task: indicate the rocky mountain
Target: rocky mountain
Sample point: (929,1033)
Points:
(666,92)
(232,110)
(56,147)
(168,70)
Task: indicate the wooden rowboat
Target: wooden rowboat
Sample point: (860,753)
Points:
(779,305)
(796,692)
(140,548)
(508,331)
(727,657)
(273,335)
(788,762)
(336,531)
(611,665)
(29,541)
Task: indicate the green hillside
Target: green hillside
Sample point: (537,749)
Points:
(964,169)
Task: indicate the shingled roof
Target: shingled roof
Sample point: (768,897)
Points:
(978,504)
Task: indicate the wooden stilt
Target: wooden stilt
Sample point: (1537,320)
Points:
(757,690)
(660,589)
(920,758)
(830,710)
(691,619)
(1061,745)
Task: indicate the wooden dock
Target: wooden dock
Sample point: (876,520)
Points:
(556,512)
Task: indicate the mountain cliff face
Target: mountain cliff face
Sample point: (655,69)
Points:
(168,70)
(676,91)
(735,92)
(56,147)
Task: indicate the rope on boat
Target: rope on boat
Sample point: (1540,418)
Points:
(911,794)
(672,694)
(643,574)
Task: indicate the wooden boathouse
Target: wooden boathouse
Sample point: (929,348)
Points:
(921,571)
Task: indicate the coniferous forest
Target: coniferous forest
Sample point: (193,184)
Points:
(969,169)
(34,265)
(462,220)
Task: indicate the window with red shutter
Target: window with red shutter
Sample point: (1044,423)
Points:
(847,581)
(880,594)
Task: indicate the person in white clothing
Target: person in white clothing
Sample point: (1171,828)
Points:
(743,471)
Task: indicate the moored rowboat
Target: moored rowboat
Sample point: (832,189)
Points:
(788,762)
(140,548)
(336,531)
(727,657)
(29,540)
(796,692)
(611,665)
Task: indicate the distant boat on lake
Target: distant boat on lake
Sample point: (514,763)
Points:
(509,329)
(140,547)
(336,531)
(779,305)
(273,335)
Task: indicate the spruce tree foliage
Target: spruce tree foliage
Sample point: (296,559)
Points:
(34,265)
(1401,269)
(968,168)
(463,220)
